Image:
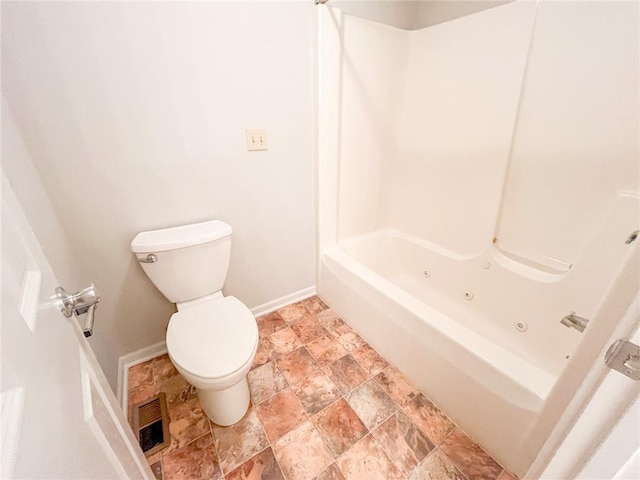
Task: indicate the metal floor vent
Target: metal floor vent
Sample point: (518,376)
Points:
(151,424)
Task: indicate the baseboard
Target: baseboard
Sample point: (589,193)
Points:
(127,361)
(278,303)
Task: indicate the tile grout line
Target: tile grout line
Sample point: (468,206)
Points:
(436,446)
(456,426)
(389,456)
(271,445)
(323,369)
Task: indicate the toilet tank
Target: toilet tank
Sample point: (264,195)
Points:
(185,262)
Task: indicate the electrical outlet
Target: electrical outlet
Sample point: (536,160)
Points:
(256,139)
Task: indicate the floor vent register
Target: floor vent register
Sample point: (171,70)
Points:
(151,424)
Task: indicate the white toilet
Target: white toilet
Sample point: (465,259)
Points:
(212,339)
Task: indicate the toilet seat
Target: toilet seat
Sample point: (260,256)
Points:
(214,339)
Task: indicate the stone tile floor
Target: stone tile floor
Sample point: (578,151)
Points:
(325,405)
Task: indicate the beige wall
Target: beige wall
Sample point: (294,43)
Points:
(135,114)
(26,182)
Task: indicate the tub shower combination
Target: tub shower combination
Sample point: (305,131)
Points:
(466,280)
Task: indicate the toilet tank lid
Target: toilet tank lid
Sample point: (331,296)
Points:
(179,237)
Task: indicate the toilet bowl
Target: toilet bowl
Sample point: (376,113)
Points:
(213,345)
(212,339)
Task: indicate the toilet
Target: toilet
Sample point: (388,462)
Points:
(212,339)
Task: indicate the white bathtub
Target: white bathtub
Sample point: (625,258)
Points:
(480,336)
(455,332)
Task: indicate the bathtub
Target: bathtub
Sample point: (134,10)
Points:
(488,359)
(480,335)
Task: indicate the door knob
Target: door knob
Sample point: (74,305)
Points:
(83,302)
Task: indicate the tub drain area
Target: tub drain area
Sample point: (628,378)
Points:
(151,424)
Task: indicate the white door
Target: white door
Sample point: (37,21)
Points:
(604,441)
(614,416)
(59,417)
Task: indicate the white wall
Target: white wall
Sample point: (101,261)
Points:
(134,115)
(576,145)
(460,100)
(483,127)
(426,123)
(373,67)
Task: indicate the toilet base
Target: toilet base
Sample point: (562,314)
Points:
(227,406)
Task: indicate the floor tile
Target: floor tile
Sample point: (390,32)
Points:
(350,340)
(316,392)
(284,341)
(301,453)
(299,426)
(197,460)
(141,375)
(325,349)
(280,414)
(339,427)
(156,468)
(429,418)
(296,365)
(403,441)
(187,421)
(163,368)
(313,304)
(371,404)
(291,313)
(346,373)
(141,383)
(238,443)
(176,389)
(264,353)
(333,323)
(370,360)
(396,385)
(308,329)
(269,324)
(265,381)
(332,472)
(436,467)
(156,457)
(367,461)
(139,394)
(467,455)
(261,467)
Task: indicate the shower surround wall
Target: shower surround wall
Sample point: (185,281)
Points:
(495,156)
(420,112)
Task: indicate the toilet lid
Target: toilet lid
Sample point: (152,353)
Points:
(213,339)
